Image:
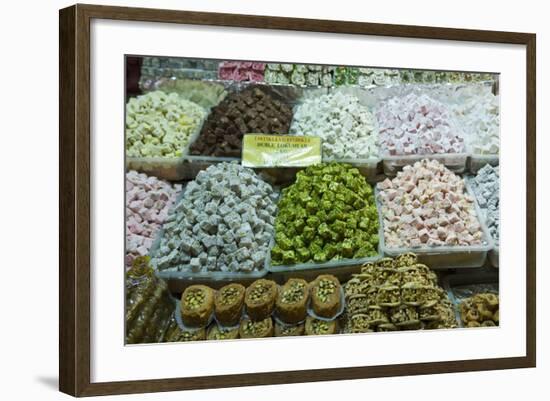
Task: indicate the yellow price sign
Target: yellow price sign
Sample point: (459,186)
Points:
(261,150)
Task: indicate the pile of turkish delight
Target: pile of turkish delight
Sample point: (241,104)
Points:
(224,222)
(427,205)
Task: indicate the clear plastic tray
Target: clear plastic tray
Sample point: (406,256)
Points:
(342,269)
(456,162)
(192,165)
(443,257)
(494,252)
(179,280)
(477,162)
(445,92)
(171,169)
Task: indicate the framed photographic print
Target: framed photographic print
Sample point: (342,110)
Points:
(250,200)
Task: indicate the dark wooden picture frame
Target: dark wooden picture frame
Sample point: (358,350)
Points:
(74,199)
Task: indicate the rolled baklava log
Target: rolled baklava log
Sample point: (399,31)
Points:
(292,301)
(216,332)
(229,302)
(283,330)
(316,327)
(256,329)
(325,296)
(260,299)
(197,305)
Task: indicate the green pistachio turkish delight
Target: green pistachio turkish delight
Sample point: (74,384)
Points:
(328,214)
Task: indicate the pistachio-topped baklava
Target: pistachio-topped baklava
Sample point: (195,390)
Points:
(260,299)
(325,296)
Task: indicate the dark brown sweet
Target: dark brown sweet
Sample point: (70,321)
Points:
(252,110)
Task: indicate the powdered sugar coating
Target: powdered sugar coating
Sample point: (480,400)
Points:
(223,222)
(486,188)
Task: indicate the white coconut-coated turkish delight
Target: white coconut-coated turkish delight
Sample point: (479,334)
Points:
(347,128)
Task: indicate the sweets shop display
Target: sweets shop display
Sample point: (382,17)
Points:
(395,228)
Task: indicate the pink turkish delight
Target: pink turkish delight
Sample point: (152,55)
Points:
(148,201)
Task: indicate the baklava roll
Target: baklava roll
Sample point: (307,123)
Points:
(197,305)
(325,296)
(316,327)
(289,331)
(256,329)
(215,332)
(292,301)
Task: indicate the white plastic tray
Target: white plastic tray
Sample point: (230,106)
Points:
(178,279)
